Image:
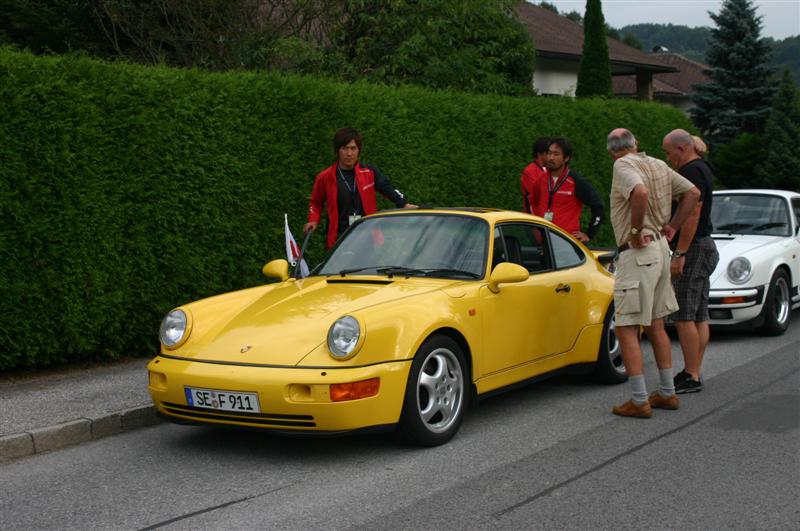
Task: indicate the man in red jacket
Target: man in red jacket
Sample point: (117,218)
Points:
(347,189)
(534,173)
(562,196)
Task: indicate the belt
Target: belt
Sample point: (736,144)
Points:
(647,238)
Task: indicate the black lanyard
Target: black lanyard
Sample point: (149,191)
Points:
(552,190)
(353,190)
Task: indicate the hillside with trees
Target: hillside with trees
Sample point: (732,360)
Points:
(694,44)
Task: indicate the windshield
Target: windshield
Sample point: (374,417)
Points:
(750,214)
(432,245)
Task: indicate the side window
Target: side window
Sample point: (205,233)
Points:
(565,253)
(522,243)
(796,208)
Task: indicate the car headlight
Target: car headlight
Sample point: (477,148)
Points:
(343,337)
(739,270)
(174,329)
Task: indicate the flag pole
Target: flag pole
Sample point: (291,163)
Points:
(302,252)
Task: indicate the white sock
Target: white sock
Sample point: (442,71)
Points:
(666,386)
(638,389)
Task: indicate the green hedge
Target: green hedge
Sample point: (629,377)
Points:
(127,190)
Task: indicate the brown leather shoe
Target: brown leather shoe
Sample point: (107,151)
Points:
(631,409)
(659,402)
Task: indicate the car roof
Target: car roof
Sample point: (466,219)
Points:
(761,191)
(489,214)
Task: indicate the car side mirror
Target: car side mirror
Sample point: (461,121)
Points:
(276,269)
(507,273)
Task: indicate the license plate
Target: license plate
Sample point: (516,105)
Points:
(222,400)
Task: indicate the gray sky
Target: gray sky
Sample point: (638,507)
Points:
(780,18)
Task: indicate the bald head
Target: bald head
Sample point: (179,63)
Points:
(678,144)
(679,137)
(620,142)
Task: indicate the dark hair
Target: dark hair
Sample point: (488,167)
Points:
(540,145)
(565,146)
(344,136)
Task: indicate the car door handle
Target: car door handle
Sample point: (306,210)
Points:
(566,288)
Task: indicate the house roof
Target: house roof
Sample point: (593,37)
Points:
(678,83)
(689,72)
(558,37)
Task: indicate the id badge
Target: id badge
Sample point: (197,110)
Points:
(353,218)
(548,215)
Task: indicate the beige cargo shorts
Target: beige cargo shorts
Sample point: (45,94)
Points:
(643,287)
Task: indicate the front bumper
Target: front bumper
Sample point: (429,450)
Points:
(293,399)
(734,306)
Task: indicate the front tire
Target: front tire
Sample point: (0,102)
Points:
(436,393)
(777,310)
(609,367)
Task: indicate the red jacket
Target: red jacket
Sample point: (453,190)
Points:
(568,200)
(530,180)
(326,191)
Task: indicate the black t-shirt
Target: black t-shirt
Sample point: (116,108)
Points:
(348,200)
(699,172)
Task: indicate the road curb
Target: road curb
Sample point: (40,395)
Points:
(76,431)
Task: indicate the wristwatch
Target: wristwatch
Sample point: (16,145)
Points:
(677,254)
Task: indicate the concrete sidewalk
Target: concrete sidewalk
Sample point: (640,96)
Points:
(44,412)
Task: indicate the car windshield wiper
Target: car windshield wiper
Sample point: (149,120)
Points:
(445,271)
(345,272)
(390,271)
(731,227)
(384,270)
(771,225)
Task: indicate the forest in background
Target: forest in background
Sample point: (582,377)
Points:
(694,42)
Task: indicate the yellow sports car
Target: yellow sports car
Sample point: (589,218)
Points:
(412,316)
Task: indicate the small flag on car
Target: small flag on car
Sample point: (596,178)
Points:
(292,250)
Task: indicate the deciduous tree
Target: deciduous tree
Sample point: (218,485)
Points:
(210,34)
(55,26)
(473,45)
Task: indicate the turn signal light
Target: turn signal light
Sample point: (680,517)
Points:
(355,390)
(158,380)
(733,300)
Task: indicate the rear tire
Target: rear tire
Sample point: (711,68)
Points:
(436,393)
(609,367)
(777,310)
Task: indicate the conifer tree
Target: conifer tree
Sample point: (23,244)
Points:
(737,100)
(782,138)
(594,73)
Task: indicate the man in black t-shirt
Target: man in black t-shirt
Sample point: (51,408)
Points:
(694,258)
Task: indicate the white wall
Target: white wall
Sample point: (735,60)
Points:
(555,77)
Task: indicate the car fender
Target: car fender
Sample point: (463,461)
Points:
(393,332)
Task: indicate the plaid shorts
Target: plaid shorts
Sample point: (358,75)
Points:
(691,288)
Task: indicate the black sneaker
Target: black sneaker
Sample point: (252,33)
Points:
(681,377)
(688,386)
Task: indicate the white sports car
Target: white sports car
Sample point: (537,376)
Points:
(757,233)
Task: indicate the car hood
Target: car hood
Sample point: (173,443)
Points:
(286,323)
(729,247)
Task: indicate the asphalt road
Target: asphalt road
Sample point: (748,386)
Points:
(547,456)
